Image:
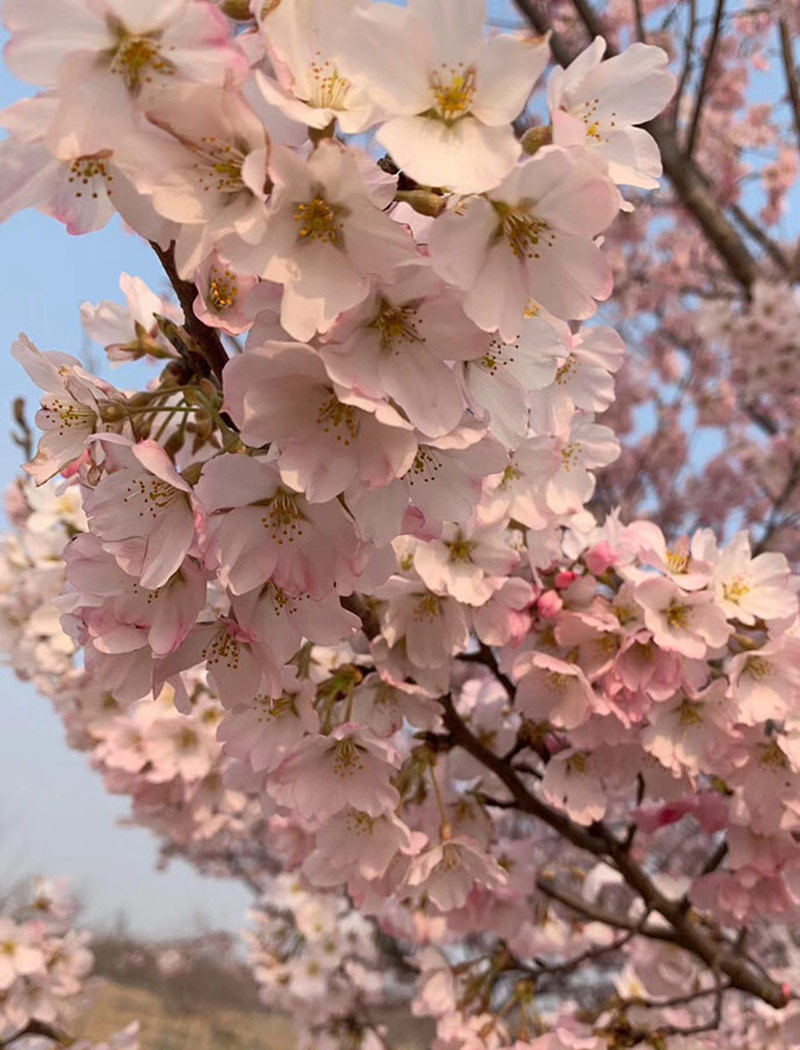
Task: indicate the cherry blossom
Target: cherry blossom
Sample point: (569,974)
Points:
(451,94)
(531,237)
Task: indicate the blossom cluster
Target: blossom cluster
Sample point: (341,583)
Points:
(43,962)
(333,594)
(315,956)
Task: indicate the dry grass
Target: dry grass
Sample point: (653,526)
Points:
(163,1027)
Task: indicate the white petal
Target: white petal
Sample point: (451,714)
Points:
(508,67)
(467,157)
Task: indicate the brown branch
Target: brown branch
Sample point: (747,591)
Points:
(25,438)
(207,339)
(772,249)
(716,858)
(486,657)
(594,914)
(707,943)
(40,1028)
(594,25)
(535,11)
(695,195)
(370,624)
(666,1030)
(640,30)
(705,80)
(690,185)
(790,70)
(774,523)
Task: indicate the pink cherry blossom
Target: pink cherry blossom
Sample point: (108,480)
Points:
(451,94)
(531,237)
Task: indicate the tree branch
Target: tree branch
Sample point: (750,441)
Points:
(691,187)
(708,943)
(790,71)
(688,63)
(40,1028)
(705,80)
(207,339)
(593,914)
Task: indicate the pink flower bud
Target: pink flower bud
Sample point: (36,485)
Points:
(600,558)
(550,605)
(565,579)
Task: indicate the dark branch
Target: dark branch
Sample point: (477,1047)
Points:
(207,339)
(706,942)
(705,80)
(690,185)
(40,1028)
(593,914)
(790,71)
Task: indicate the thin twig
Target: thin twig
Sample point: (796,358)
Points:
(706,942)
(688,63)
(593,914)
(705,80)
(691,187)
(640,30)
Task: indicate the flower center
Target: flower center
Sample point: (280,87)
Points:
(347,759)
(677,615)
(770,756)
(342,420)
(735,590)
(689,714)
(425,467)
(284,707)
(461,550)
(577,763)
(526,234)
(283,518)
(83,170)
(137,58)
(677,561)
(150,495)
(567,370)
(223,649)
(427,608)
(64,416)
(320,221)
(453,92)
(498,356)
(187,740)
(221,167)
(359,823)
(557,680)
(757,667)
(511,474)
(222,290)
(570,454)
(330,89)
(397,324)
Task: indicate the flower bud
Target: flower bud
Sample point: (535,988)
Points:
(425,202)
(535,138)
(112,412)
(238,10)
